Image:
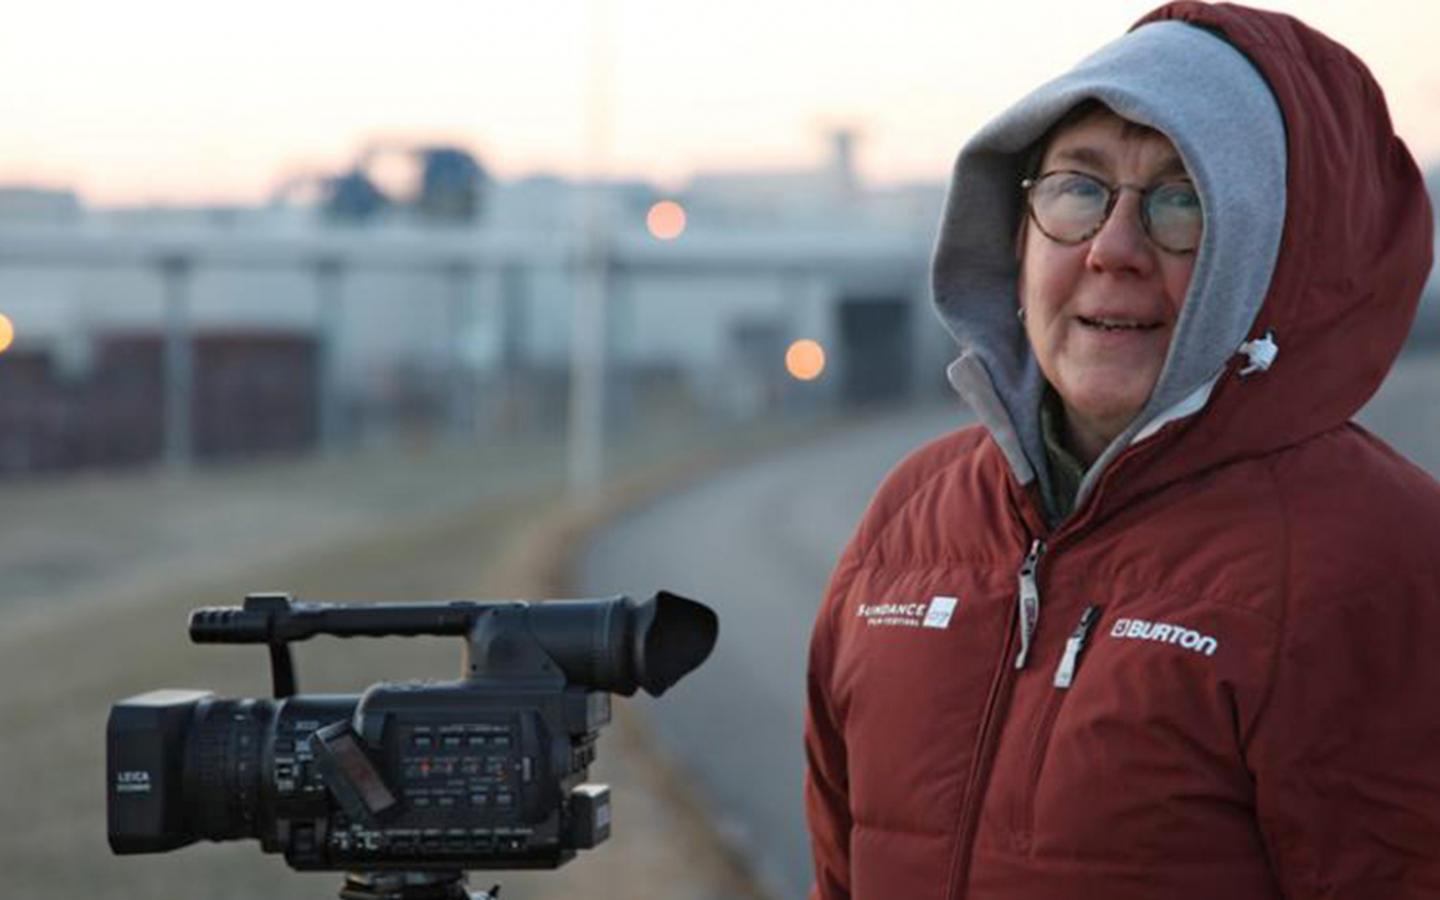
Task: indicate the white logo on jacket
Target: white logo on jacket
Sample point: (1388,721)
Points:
(935,614)
(1165,633)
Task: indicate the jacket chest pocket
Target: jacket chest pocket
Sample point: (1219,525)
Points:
(917,654)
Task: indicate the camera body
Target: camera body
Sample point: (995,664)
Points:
(485,772)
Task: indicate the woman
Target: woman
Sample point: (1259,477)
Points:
(1165,624)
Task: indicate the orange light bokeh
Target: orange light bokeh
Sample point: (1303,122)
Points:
(805,359)
(7,332)
(666,220)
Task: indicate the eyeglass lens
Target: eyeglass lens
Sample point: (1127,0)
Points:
(1072,206)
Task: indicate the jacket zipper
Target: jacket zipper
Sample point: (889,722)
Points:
(1028,601)
(1074,645)
(1023,821)
(1024,623)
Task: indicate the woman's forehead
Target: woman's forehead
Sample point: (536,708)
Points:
(1104,141)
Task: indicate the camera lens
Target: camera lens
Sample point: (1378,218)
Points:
(222,786)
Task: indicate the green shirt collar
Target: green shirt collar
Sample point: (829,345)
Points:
(1066,472)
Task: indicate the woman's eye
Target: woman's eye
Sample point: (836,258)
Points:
(1177,196)
(1080,186)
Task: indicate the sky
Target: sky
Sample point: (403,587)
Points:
(160,101)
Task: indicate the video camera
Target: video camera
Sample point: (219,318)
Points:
(408,784)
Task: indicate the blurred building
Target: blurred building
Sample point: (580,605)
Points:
(29,205)
(334,313)
(819,197)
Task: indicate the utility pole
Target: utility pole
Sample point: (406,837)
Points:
(179,363)
(586,424)
(329,318)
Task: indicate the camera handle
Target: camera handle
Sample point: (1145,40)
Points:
(277,620)
(402,885)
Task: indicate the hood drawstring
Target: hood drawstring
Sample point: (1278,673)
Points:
(1261,353)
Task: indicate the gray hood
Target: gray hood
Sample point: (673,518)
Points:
(1217,110)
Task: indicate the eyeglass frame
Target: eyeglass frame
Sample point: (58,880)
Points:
(1114,191)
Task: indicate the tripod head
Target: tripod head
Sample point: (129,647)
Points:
(449,884)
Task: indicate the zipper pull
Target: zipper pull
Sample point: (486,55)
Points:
(1065,672)
(1028,604)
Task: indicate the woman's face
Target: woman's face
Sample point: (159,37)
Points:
(1100,314)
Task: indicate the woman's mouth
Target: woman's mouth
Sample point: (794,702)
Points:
(1110,323)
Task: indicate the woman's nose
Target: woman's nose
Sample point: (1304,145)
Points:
(1121,244)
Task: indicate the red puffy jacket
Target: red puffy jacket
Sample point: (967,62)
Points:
(1233,692)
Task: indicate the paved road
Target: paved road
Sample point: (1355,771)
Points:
(758,544)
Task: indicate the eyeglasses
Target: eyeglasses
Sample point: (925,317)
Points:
(1071,207)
